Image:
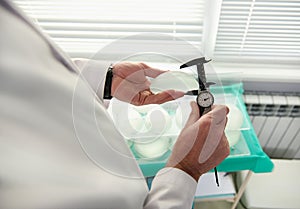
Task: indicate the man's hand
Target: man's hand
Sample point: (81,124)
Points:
(130,84)
(202,144)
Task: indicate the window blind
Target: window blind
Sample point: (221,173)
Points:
(259,30)
(82,28)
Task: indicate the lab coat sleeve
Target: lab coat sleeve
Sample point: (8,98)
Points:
(94,72)
(171,189)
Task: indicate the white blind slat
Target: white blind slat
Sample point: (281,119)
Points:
(247,29)
(259,29)
(84,27)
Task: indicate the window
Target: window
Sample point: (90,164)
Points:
(234,33)
(259,30)
(82,28)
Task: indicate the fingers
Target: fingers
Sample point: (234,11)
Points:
(147,97)
(151,72)
(135,72)
(222,151)
(163,97)
(220,108)
(218,113)
(224,146)
(194,115)
(216,120)
(213,139)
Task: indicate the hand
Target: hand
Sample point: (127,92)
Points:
(130,84)
(202,144)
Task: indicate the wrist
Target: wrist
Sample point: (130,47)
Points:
(108,83)
(190,171)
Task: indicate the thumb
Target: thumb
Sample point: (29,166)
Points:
(194,115)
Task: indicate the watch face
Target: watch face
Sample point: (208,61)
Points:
(205,99)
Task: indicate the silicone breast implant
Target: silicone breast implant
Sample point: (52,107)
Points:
(234,124)
(152,148)
(129,122)
(157,123)
(175,80)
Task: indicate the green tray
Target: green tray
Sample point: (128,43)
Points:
(247,154)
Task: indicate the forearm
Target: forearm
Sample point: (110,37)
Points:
(171,188)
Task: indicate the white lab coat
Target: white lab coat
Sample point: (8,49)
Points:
(59,148)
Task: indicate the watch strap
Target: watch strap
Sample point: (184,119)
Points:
(108,82)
